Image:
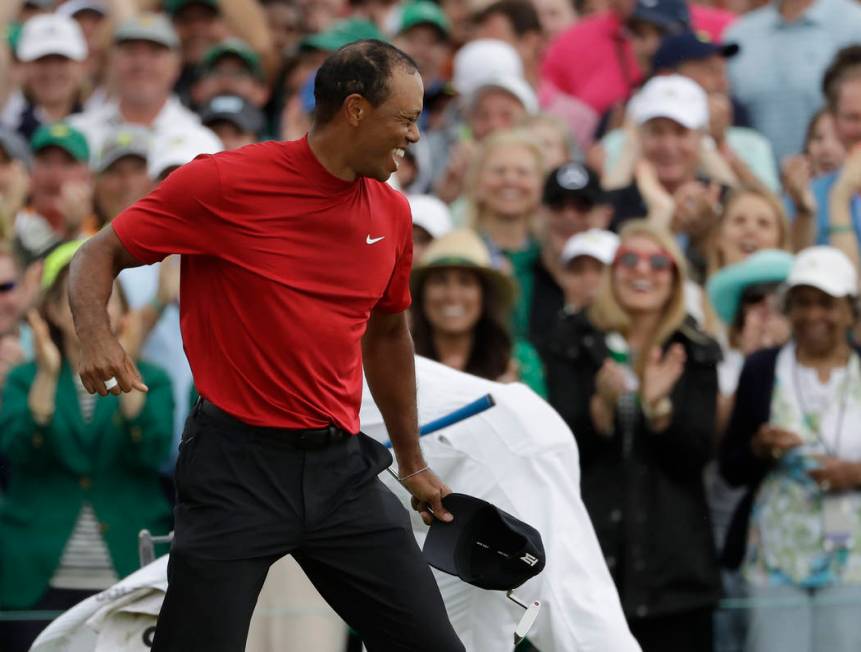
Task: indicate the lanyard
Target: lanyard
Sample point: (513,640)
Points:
(806,415)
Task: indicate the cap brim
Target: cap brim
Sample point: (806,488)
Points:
(441,544)
(108,161)
(729,50)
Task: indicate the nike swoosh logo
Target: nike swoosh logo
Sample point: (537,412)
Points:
(371,240)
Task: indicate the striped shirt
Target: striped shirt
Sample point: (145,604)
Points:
(86,562)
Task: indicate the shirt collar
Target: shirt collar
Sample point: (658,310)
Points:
(817,13)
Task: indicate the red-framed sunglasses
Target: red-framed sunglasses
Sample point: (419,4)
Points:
(630,258)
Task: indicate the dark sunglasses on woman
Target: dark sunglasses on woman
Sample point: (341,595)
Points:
(8,286)
(630,258)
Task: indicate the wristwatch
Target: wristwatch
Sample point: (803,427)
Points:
(663,408)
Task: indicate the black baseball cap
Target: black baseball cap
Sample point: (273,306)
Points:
(484,545)
(676,49)
(570,182)
(235,110)
(668,15)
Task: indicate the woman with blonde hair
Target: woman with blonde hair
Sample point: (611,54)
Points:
(503,198)
(637,383)
(753,219)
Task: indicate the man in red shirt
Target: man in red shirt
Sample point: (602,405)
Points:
(295,274)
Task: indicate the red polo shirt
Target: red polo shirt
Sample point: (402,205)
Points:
(282,264)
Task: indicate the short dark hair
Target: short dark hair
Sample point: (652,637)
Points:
(521,15)
(845,65)
(364,68)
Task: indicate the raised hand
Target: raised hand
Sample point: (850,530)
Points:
(797,174)
(48,357)
(661,373)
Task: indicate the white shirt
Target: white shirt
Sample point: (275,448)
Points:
(97,122)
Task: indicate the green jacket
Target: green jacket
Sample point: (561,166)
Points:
(111,462)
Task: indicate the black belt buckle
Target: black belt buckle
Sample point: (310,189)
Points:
(316,439)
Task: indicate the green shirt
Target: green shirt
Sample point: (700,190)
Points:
(110,462)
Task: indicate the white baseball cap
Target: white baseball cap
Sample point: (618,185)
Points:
(484,59)
(824,268)
(431,214)
(72,8)
(47,34)
(596,243)
(671,96)
(513,85)
(179,147)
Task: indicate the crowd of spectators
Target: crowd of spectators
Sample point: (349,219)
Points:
(646,210)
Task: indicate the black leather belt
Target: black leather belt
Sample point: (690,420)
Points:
(303,439)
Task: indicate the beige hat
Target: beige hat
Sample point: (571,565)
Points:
(465,249)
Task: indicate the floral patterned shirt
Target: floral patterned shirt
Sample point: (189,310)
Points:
(786,542)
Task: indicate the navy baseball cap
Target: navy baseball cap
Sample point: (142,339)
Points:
(484,545)
(669,15)
(676,49)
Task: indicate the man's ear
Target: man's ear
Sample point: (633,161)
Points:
(355,109)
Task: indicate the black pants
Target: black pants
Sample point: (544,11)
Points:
(689,631)
(246,497)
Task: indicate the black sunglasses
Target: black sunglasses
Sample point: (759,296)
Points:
(8,286)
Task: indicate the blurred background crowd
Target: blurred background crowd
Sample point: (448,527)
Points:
(646,210)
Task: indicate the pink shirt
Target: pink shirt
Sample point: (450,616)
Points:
(594,62)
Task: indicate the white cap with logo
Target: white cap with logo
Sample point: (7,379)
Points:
(824,268)
(47,34)
(671,96)
(596,243)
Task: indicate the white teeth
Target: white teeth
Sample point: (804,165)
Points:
(399,153)
(641,285)
(453,311)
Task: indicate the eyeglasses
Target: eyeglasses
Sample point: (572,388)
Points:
(630,259)
(8,286)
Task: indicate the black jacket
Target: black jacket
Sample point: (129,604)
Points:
(647,502)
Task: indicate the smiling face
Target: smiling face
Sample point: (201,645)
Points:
(382,133)
(819,321)
(509,183)
(641,284)
(673,149)
(824,147)
(144,71)
(452,300)
(53,79)
(750,224)
(494,109)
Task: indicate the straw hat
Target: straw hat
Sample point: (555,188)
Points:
(463,248)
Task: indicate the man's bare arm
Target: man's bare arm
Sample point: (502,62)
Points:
(388,352)
(91,278)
